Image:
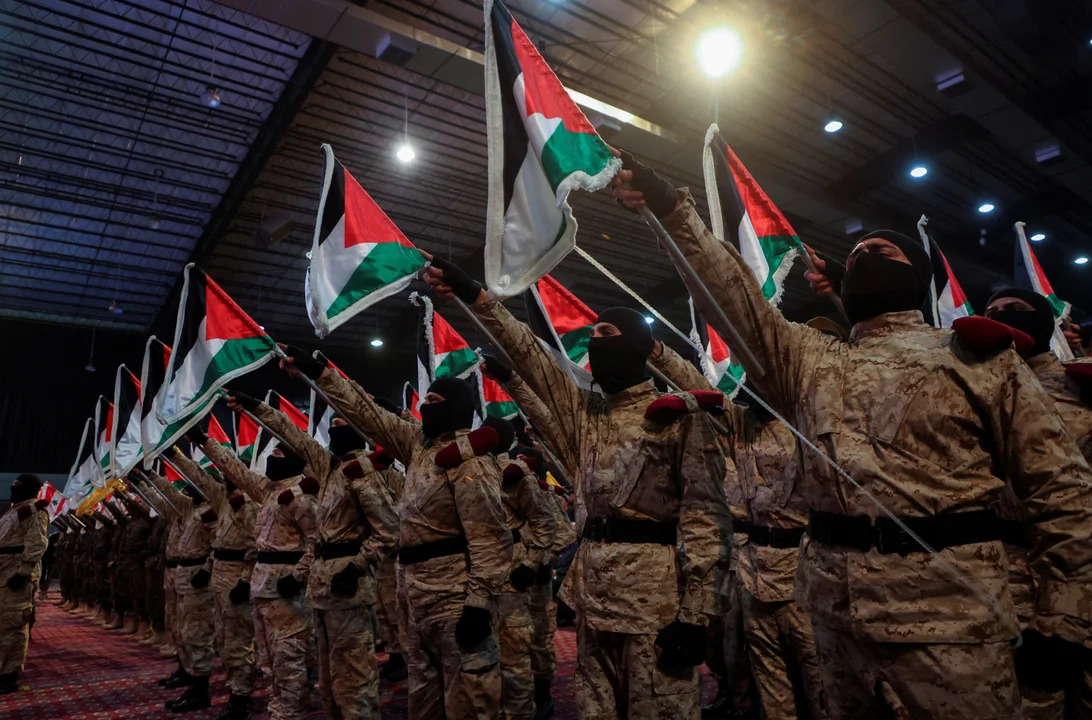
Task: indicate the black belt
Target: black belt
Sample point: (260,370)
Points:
(945,530)
(330,551)
(279,557)
(769,536)
(621,530)
(228,555)
(428,551)
(12,550)
(186,562)
(516,537)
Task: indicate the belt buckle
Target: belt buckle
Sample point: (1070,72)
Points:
(890,539)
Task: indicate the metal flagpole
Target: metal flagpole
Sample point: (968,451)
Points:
(480,326)
(325,398)
(159,492)
(189,482)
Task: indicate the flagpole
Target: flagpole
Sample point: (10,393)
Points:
(157,490)
(922,222)
(695,285)
(485,332)
(318,391)
(189,482)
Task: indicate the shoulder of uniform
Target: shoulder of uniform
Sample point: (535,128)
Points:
(25,511)
(668,408)
(475,443)
(209,516)
(1080,374)
(237,500)
(977,338)
(381,459)
(41,504)
(513,472)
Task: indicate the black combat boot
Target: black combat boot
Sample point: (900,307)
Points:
(544,702)
(180,679)
(237,708)
(394,670)
(173,677)
(196,697)
(9,683)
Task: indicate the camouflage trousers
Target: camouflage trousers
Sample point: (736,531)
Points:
(439,687)
(910,681)
(170,606)
(515,632)
(540,600)
(235,639)
(782,651)
(193,614)
(154,600)
(16,612)
(346,658)
(617,677)
(388,620)
(285,626)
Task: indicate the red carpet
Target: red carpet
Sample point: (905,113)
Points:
(77,670)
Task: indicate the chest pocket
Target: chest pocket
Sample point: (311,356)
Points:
(644,471)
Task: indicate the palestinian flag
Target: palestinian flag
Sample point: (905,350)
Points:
(737,205)
(155,437)
(320,416)
(947,298)
(246,436)
(125,426)
(446,354)
(85,472)
(173,476)
(497,402)
(411,401)
(215,431)
(563,324)
(1039,283)
(214,343)
(715,362)
(540,147)
(104,422)
(358,257)
(298,418)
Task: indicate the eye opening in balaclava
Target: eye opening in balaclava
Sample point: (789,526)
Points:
(506,435)
(282,468)
(876,285)
(455,412)
(618,361)
(1038,323)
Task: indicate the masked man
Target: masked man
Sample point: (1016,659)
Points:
(932,425)
(22,544)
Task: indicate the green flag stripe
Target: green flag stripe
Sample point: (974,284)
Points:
(385,264)
(502,409)
(456,362)
(232,355)
(775,248)
(568,152)
(1056,305)
(575,343)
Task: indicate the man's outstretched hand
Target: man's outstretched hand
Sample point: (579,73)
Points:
(820,281)
(637,185)
(448,280)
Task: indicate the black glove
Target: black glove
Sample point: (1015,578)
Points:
(660,195)
(200,579)
(18,581)
(682,645)
(345,581)
(522,577)
(465,287)
(473,626)
(496,367)
(306,364)
(1048,664)
(289,587)
(240,594)
(249,402)
(197,436)
(544,575)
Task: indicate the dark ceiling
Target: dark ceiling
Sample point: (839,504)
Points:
(97,98)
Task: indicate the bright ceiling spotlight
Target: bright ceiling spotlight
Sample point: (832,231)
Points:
(90,367)
(719,51)
(115,307)
(1038,237)
(405,153)
(1082,260)
(211,97)
(833,126)
(985,208)
(153,222)
(919,171)
(376,342)
(649,319)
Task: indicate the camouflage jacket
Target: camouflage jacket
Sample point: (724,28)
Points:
(188,537)
(23,524)
(1075,414)
(279,526)
(438,504)
(925,427)
(627,468)
(348,510)
(527,514)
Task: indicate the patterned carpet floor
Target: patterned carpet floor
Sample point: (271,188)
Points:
(77,670)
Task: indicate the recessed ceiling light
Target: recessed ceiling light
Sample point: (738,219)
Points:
(1081,260)
(985,208)
(649,319)
(211,97)
(833,126)
(405,153)
(1038,237)
(919,171)
(376,342)
(719,51)
(115,308)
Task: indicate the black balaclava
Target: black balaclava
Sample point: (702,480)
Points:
(505,434)
(25,487)
(532,452)
(618,361)
(1038,323)
(344,439)
(456,412)
(877,285)
(189,492)
(281,468)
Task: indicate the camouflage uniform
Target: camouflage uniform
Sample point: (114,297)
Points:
(188,544)
(101,543)
(774,516)
(154,583)
(22,543)
(389,619)
(638,474)
(453,506)
(120,598)
(541,596)
(134,541)
(234,553)
(356,524)
(927,427)
(285,538)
